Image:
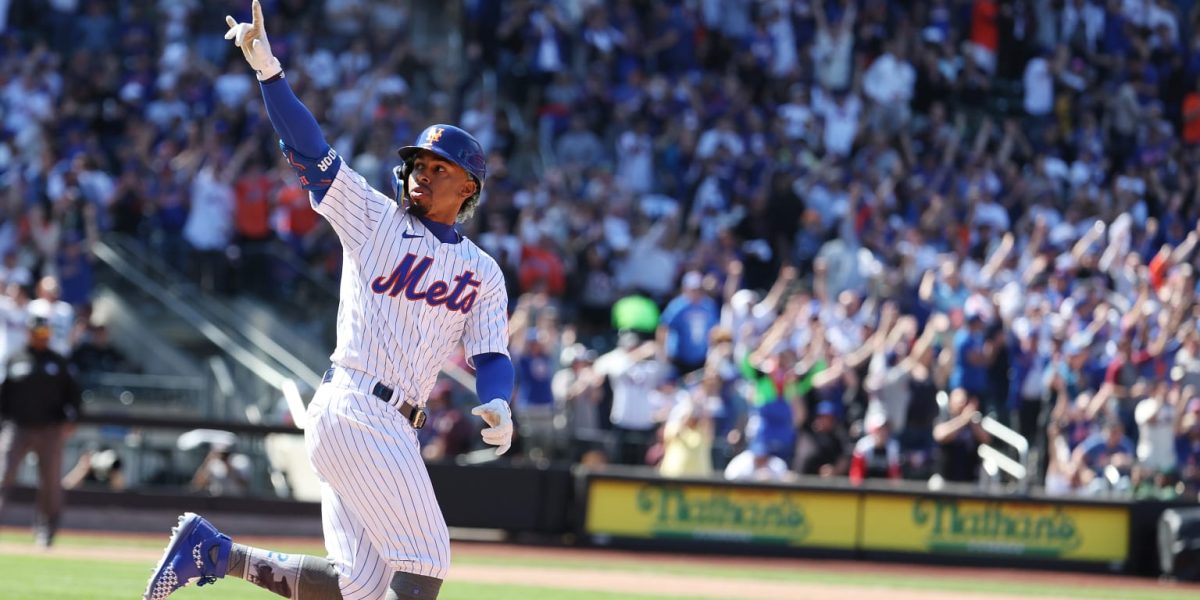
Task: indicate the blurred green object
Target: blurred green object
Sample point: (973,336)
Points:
(635,313)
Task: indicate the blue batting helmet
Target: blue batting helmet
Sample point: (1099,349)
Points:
(452,144)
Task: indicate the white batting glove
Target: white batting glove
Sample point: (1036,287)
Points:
(499,417)
(252,39)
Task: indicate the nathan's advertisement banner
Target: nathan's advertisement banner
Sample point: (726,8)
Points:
(666,510)
(1003,528)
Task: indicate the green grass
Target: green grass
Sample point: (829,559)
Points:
(92,540)
(49,576)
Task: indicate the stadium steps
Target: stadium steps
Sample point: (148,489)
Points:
(245,324)
(135,331)
(206,328)
(309,340)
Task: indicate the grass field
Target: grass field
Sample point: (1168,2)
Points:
(103,567)
(45,577)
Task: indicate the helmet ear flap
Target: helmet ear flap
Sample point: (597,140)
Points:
(400,184)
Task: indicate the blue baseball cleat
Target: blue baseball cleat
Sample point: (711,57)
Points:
(188,557)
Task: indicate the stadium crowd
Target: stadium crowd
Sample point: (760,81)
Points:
(757,237)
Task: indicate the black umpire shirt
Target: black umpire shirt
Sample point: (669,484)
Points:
(39,389)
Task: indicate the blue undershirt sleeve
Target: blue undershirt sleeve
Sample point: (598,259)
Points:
(494,376)
(293,122)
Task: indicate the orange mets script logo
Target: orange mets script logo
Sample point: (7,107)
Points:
(434,136)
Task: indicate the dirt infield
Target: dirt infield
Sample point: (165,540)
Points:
(692,586)
(714,587)
(627,572)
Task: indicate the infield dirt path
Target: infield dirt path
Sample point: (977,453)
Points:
(610,578)
(692,586)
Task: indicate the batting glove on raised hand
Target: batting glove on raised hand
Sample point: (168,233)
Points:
(497,415)
(252,39)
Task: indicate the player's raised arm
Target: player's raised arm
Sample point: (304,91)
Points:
(301,136)
(353,209)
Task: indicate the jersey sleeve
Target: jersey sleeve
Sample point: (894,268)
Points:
(487,324)
(351,206)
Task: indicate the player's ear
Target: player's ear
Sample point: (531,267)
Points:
(469,188)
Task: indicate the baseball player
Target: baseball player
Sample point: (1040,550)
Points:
(411,288)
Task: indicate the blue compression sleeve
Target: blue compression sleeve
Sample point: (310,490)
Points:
(293,122)
(494,376)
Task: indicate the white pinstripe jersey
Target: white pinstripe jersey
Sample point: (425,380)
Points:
(406,297)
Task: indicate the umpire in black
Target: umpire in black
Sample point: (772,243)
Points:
(39,401)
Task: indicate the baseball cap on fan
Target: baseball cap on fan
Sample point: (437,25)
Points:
(742,301)
(875,421)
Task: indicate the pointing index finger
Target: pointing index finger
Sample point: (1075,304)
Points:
(258,18)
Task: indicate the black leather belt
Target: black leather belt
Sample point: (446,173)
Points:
(414,414)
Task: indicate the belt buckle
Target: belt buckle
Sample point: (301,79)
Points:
(418,417)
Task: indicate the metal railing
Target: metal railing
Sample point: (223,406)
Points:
(255,368)
(226,317)
(252,370)
(997,462)
(141,394)
(164,453)
(301,294)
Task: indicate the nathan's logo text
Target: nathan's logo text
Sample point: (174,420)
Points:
(458,295)
(715,513)
(995,527)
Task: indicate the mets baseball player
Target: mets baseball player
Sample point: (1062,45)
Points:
(411,289)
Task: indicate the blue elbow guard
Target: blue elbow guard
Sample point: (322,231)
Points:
(316,174)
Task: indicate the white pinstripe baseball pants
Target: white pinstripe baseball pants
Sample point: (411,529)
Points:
(378,510)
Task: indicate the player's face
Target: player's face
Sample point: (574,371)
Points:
(437,187)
